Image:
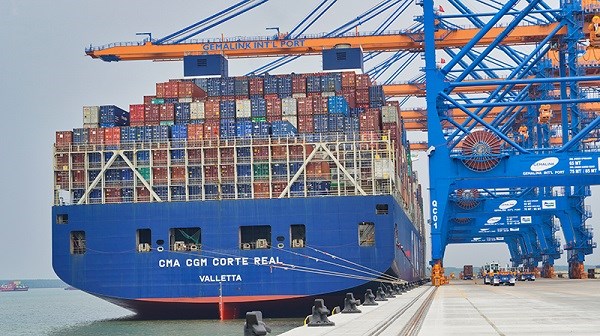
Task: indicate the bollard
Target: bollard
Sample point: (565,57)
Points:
(370,298)
(350,304)
(404,288)
(319,315)
(397,289)
(380,296)
(254,325)
(388,291)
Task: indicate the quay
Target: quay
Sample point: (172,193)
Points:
(541,307)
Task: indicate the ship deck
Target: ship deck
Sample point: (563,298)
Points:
(543,307)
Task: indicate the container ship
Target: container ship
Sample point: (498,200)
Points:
(14,286)
(217,196)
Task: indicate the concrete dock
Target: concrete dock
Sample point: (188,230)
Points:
(542,307)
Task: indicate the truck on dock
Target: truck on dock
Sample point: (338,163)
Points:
(467,272)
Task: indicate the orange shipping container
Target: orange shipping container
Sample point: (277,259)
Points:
(112,136)
(195,132)
(64,138)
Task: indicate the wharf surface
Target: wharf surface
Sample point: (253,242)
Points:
(541,307)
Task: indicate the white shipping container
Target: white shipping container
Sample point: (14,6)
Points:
(243,108)
(298,95)
(91,114)
(383,168)
(389,114)
(289,107)
(292,120)
(91,125)
(327,94)
(197,110)
(186,100)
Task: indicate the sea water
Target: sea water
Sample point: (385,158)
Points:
(59,312)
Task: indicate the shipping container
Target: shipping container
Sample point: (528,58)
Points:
(255,85)
(195,132)
(197,110)
(298,84)
(91,114)
(283,128)
(80,136)
(167,112)
(243,108)
(338,105)
(96,136)
(64,138)
(243,129)
(227,128)
(182,113)
(111,116)
(289,107)
(227,109)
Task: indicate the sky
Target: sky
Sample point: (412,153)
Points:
(46,79)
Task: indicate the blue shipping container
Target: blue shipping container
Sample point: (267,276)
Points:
(261,129)
(160,133)
(80,136)
(227,109)
(243,129)
(179,132)
(182,113)
(338,105)
(283,128)
(113,115)
(321,123)
(258,107)
(227,128)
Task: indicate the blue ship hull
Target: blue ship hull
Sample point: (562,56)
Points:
(221,279)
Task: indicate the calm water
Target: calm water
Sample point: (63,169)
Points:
(58,312)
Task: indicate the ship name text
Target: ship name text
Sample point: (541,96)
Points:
(220,278)
(203,262)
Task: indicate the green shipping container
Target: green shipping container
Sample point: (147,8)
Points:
(261,170)
(158,101)
(145,172)
(259,119)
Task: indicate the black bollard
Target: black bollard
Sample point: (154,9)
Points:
(370,298)
(254,325)
(388,291)
(319,315)
(404,287)
(350,304)
(397,289)
(380,295)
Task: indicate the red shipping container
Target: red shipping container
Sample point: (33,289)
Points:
(78,178)
(96,136)
(313,94)
(320,105)
(305,106)
(261,190)
(278,152)
(62,179)
(271,96)
(178,174)
(273,107)
(370,120)
(190,90)
(297,152)
(159,175)
(362,96)
(256,86)
(194,155)
(171,89)
(136,113)
(167,112)
(148,99)
(112,195)
(112,135)
(298,84)
(273,118)
(137,123)
(227,155)
(212,109)
(306,124)
(160,90)
(369,136)
(261,152)
(348,80)
(143,194)
(64,138)
(228,172)
(211,129)
(393,130)
(78,160)
(152,113)
(211,154)
(211,173)
(159,156)
(62,162)
(363,81)
(195,132)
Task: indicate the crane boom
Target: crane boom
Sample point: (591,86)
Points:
(267,46)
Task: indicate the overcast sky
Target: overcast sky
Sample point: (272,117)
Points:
(46,79)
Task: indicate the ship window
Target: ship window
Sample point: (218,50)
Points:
(185,239)
(255,237)
(78,242)
(366,234)
(144,240)
(298,235)
(381,209)
(62,219)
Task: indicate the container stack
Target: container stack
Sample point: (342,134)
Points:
(164,129)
